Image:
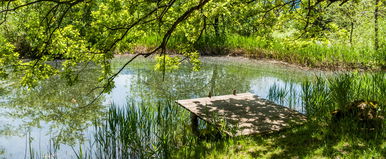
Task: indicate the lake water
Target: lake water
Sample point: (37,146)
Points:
(51,120)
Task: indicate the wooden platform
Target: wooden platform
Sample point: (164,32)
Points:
(246,113)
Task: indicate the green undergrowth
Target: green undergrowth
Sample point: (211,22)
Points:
(307,141)
(311,53)
(306,52)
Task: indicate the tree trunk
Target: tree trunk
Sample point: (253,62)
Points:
(376,27)
(215,26)
(351,32)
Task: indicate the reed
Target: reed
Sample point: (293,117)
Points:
(307,52)
(287,95)
(144,130)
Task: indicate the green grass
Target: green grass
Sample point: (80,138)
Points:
(307,141)
(304,52)
(320,137)
(307,52)
(142,130)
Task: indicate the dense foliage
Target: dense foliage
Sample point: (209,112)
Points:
(91,31)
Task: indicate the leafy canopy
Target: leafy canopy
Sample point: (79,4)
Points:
(36,32)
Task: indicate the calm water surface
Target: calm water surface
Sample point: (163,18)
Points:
(51,120)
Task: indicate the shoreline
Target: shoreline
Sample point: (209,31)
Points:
(270,57)
(245,58)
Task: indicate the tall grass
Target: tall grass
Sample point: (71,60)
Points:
(287,95)
(305,52)
(359,138)
(144,130)
(322,95)
(148,130)
(337,92)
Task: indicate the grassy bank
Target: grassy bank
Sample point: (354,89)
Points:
(308,53)
(323,136)
(162,129)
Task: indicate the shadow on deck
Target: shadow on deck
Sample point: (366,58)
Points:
(246,112)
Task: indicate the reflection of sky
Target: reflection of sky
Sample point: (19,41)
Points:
(261,86)
(121,90)
(16,146)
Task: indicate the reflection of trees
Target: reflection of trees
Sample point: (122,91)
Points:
(2,91)
(185,83)
(64,108)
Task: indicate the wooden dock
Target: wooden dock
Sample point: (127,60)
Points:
(246,113)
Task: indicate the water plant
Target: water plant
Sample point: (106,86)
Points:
(145,130)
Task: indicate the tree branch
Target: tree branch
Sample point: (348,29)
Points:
(162,46)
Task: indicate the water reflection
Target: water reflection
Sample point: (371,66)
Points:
(51,112)
(54,110)
(217,78)
(190,84)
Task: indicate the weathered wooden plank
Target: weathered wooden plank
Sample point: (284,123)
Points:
(248,113)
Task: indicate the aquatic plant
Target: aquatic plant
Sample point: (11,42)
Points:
(144,130)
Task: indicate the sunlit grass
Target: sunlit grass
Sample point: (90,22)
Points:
(307,141)
(305,52)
